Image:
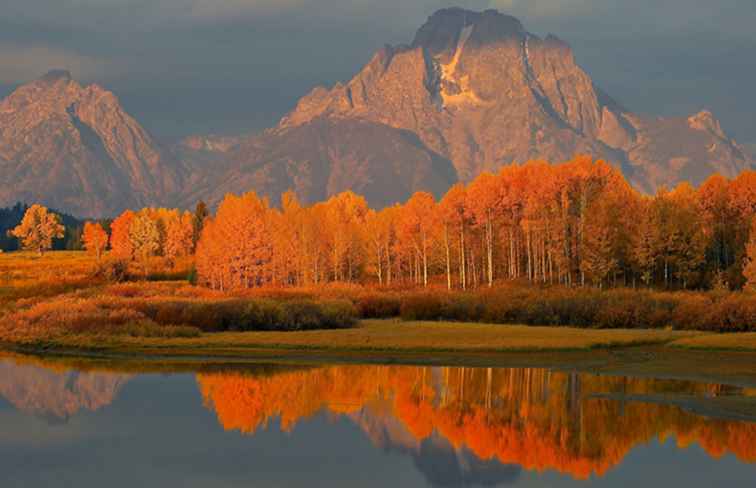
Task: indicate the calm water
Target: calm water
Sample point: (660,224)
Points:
(382,426)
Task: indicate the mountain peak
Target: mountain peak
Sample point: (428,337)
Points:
(442,30)
(57,75)
(706,121)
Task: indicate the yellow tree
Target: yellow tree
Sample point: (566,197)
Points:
(453,215)
(144,235)
(120,243)
(95,238)
(179,239)
(644,245)
(377,229)
(598,254)
(235,249)
(750,266)
(688,227)
(415,224)
(484,199)
(345,217)
(38,228)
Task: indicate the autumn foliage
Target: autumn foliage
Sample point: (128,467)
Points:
(538,419)
(577,223)
(38,228)
(95,239)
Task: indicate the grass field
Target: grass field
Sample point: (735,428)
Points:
(729,342)
(26,275)
(385,336)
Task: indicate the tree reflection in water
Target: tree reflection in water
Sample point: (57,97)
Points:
(536,419)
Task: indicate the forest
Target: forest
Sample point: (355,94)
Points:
(577,223)
(570,244)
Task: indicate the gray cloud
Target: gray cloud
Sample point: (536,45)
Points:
(27,61)
(187,66)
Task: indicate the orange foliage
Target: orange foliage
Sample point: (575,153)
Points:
(535,418)
(575,223)
(234,251)
(95,238)
(120,242)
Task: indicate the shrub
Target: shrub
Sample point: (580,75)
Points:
(147,328)
(612,309)
(338,314)
(733,313)
(307,315)
(422,306)
(260,314)
(378,306)
(112,271)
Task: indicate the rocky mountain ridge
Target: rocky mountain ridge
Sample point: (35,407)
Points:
(482,91)
(474,91)
(75,148)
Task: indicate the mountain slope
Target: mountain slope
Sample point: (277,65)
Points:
(474,91)
(75,148)
(480,90)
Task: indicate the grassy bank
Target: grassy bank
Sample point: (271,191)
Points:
(378,336)
(723,342)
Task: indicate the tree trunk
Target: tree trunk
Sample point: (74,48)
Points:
(448,257)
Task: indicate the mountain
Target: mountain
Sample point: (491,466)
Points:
(319,159)
(76,149)
(480,90)
(751,148)
(473,92)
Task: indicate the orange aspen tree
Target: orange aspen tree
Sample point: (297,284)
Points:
(454,220)
(415,223)
(95,239)
(38,228)
(235,249)
(749,270)
(484,201)
(179,236)
(120,243)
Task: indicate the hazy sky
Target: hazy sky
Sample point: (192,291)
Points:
(227,66)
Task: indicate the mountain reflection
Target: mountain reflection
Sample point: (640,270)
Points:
(459,426)
(477,426)
(56,394)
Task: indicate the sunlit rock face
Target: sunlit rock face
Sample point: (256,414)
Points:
(473,92)
(480,90)
(73,147)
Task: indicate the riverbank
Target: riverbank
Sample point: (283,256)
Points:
(52,305)
(395,336)
(637,353)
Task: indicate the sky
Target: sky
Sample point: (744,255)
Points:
(232,66)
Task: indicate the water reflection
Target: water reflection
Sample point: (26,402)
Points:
(533,418)
(457,426)
(56,394)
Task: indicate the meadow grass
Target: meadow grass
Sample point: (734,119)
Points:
(385,336)
(724,342)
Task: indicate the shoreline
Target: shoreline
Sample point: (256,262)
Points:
(646,353)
